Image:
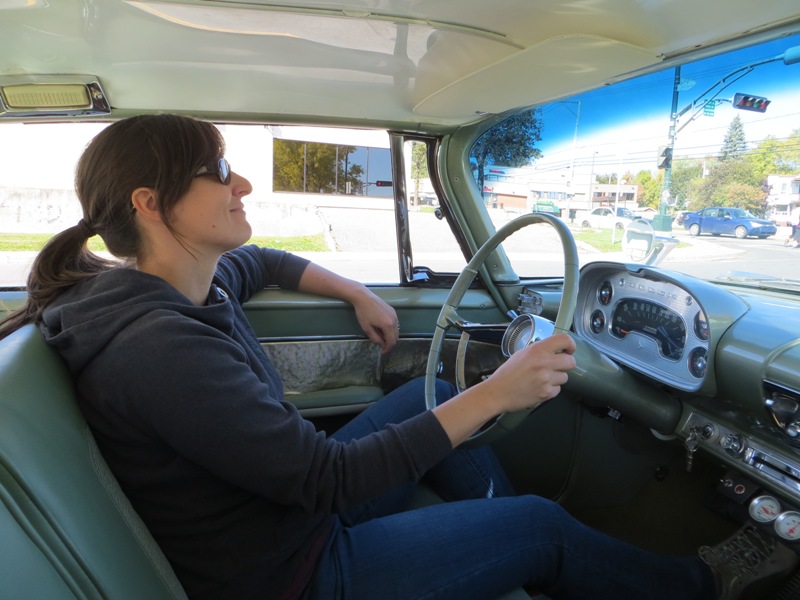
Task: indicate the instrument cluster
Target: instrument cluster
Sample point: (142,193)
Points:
(649,324)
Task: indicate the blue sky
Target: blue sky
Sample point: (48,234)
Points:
(612,125)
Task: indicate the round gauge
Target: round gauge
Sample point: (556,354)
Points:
(647,318)
(605,293)
(764,509)
(597,321)
(698,362)
(701,326)
(787,525)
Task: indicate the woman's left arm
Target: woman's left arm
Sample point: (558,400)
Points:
(376,317)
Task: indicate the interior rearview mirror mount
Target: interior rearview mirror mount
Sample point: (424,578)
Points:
(640,244)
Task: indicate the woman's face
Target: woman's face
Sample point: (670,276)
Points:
(210,216)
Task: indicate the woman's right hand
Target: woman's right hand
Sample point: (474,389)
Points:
(531,376)
(534,374)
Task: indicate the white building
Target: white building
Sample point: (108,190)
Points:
(520,188)
(783,198)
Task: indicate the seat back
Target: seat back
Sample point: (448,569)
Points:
(66,528)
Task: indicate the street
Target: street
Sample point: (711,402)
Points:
(766,257)
(534,251)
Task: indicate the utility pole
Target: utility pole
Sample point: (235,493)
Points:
(662,221)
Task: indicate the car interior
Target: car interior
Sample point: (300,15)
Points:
(682,419)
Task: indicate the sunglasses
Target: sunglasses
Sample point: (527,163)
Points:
(219,167)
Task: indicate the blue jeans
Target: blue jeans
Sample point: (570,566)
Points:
(485,541)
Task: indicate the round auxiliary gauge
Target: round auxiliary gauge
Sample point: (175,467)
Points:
(701,326)
(764,509)
(597,322)
(605,293)
(787,525)
(698,362)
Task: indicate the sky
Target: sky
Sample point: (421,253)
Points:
(614,131)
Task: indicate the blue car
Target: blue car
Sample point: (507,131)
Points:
(723,220)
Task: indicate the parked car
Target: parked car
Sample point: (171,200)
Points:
(680,217)
(724,220)
(545,206)
(604,218)
(680,424)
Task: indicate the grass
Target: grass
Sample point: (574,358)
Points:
(33,242)
(599,239)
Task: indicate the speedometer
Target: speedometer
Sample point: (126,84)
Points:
(662,324)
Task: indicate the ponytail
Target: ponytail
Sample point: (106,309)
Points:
(64,261)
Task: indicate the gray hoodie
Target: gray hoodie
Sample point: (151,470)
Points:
(238,489)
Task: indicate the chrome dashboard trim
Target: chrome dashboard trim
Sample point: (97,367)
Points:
(772,468)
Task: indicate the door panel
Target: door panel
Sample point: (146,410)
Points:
(329,367)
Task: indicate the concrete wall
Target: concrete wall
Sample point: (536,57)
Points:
(27,210)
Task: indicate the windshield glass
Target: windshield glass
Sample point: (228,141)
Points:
(715,142)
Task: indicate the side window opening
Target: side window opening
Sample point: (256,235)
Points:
(435,248)
(323,193)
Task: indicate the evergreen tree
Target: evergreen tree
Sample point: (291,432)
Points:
(735,143)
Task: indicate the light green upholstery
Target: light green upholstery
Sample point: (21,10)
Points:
(66,529)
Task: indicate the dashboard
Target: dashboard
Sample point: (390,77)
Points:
(713,366)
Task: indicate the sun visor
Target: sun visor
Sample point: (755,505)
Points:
(541,73)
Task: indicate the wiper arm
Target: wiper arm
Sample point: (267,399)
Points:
(762,281)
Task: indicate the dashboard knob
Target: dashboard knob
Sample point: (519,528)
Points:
(732,443)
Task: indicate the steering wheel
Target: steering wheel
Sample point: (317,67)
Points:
(449,317)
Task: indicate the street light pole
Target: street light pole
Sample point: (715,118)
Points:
(572,161)
(591,182)
(661,221)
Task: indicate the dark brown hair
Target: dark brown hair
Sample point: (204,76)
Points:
(162,152)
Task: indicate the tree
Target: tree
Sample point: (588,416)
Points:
(684,172)
(419,165)
(729,183)
(776,157)
(313,167)
(734,144)
(649,187)
(510,143)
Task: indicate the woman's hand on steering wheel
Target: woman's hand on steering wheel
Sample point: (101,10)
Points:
(534,374)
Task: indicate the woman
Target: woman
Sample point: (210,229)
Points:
(245,498)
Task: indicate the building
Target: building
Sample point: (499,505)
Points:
(518,189)
(783,197)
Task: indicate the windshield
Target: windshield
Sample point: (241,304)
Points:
(715,142)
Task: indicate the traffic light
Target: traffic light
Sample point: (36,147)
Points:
(748,102)
(383,183)
(665,157)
